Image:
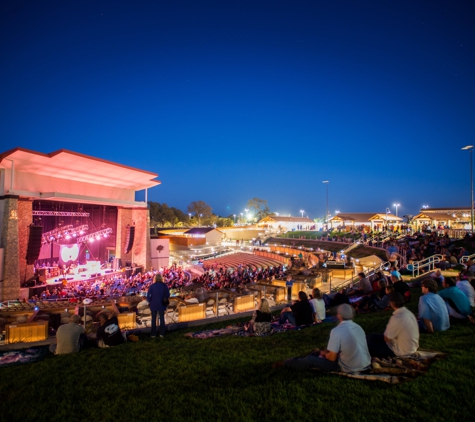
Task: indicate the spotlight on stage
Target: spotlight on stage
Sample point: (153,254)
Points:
(91,237)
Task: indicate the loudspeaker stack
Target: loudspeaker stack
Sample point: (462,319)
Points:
(129,239)
(34,244)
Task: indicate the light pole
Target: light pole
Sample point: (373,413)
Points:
(470,148)
(234,215)
(425,206)
(302,211)
(397,206)
(326,182)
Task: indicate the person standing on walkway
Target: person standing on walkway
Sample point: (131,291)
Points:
(288,284)
(157,297)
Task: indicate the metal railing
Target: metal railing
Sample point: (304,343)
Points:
(427,263)
(368,271)
(465,258)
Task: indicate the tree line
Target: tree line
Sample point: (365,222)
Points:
(199,213)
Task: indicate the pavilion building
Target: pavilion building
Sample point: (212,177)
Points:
(285,224)
(66,207)
(453,217)
(370,221)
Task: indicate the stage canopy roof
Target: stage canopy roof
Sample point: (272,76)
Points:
(71,165)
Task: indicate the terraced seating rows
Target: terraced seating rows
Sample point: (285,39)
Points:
(241,259)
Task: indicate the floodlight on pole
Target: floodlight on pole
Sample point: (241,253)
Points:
(470,148)
(326,182)
(302,211)
(425,206)
(397,206)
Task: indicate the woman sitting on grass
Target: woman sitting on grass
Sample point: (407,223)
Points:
(261,319)
(318,306)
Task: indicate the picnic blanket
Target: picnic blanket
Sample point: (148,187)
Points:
(396,370)
(238,330)
(22,356)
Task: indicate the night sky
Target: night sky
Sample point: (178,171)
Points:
(229,100)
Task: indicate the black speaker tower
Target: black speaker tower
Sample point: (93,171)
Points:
(34,244)
(130,238)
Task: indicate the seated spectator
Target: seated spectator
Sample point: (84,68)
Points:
(261,319)
(300,313)
(453,259)
(69,337)
(438,277)
(401,337)
(346,351)
(433,313)
(393,262)
(464,285)
(109,334)
(443,264)
(378,301)
(409,268)
(399,285)
(394,272)
(456,301)
(318,306)
(364,286)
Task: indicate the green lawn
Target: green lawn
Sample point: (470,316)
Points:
(232,379)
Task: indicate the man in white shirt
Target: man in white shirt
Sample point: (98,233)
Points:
(346,351)
(401,337)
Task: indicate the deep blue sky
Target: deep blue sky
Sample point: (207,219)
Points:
(229,100)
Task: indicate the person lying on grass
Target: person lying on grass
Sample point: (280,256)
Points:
(347,350)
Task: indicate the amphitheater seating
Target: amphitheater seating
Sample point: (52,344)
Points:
(241,259)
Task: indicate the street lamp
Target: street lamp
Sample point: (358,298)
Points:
(326,182)
(397,206)
(425,206)
(470,148)
(234,215)
(302,211)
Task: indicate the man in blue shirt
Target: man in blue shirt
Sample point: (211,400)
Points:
(456,301)
(433,314)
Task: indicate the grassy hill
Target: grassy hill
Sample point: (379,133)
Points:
(232,379)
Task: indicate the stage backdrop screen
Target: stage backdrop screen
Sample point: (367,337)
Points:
(69,254)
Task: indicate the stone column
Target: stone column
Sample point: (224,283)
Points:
(11,243)
(25,219)
(141,249)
